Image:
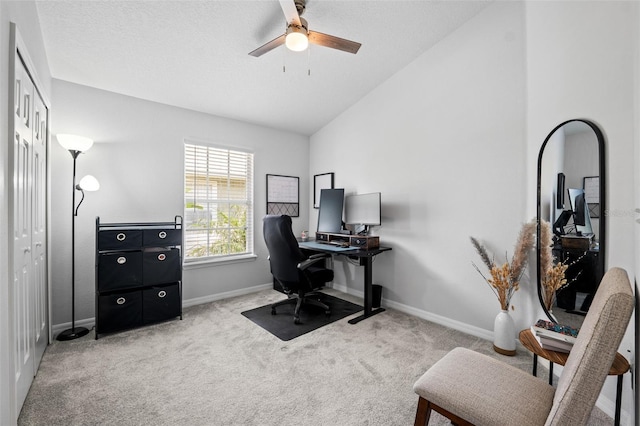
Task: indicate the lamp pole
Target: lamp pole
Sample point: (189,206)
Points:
(73,332)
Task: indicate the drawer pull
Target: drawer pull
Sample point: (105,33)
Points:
(162,293)
(162,234)
(120,300)
(162,257)
(122,260)
(121,236)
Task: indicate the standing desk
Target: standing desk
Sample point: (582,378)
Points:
(365,259)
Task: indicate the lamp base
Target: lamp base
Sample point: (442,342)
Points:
(72,333)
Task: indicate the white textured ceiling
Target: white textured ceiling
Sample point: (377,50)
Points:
(194,54)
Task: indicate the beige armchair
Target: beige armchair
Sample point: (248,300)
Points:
(473,389)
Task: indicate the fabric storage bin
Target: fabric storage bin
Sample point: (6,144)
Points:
(162,237)
(124,239)
(160,303)
(118,311)
(161,266)
(119,270)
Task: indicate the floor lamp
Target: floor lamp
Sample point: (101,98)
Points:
(76,145)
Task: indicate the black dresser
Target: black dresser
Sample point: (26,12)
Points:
(138,274)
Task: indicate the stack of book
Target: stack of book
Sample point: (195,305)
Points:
(555,337)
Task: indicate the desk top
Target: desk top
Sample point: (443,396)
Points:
(620,364)
(344,251)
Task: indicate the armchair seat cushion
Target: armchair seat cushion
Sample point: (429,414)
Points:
(485,391)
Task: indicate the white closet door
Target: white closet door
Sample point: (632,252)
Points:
(39,229)
(24,312)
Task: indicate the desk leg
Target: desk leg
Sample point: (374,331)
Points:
(367,262)
(618,400)
(550,373)
(535,365)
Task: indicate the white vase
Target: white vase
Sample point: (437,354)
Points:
(504,334)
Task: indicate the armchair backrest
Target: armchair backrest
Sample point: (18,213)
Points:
(594,350)
(284,253)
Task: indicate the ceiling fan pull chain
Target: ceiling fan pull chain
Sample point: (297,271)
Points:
(284,68)
(309,62)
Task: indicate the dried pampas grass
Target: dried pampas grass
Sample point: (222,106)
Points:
(552,278)
(505,278)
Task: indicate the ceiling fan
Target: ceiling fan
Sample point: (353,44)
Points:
(297,36)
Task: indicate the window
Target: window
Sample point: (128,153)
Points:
(218,202)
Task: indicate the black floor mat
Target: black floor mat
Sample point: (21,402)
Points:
(311,317)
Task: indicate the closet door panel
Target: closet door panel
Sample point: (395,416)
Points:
(22,233)
(39,228)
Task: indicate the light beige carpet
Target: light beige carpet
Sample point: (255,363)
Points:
(216,367)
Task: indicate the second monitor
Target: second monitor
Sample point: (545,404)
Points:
(330,214)
(362,211)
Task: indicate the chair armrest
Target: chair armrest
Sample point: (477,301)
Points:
(312,260)
(319,256)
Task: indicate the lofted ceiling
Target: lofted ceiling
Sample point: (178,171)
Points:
(194,53)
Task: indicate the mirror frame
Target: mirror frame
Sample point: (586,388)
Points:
(603,200)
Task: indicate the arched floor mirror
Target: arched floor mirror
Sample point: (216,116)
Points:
(571,197)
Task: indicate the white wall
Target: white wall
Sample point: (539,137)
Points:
(23,13)
(443,141)
(580,64)
(581,160)
(552,164)
(138,159)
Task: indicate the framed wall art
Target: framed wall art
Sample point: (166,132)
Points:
(283,195)
(591,186)
(320,182)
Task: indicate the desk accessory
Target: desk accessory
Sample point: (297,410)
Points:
(356,241)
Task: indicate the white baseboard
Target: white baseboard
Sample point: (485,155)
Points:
(447,322)
(227,294)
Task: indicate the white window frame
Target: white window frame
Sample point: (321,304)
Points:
(193,199)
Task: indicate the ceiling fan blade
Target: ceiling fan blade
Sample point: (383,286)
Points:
(290,12)
(333,42)
(267,47)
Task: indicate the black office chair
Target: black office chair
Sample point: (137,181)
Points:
(298,274)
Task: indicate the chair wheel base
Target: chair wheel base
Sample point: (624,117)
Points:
(296,321)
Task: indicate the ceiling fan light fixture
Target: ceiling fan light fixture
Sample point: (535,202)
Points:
(296,38)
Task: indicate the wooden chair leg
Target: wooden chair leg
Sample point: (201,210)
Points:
(423,413)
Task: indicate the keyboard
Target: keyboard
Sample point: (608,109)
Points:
(335,243)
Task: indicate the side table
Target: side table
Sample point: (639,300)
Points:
(618,368)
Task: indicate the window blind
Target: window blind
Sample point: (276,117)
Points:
(218,207)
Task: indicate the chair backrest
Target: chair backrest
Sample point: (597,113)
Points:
(284,253)
(594,351)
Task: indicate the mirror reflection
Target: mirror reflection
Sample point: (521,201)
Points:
(570,198)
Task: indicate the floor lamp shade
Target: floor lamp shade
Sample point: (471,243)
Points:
(89,183)
(76,144)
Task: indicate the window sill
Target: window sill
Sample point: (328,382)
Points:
(195,264)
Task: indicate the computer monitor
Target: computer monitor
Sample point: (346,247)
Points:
(561,222)
(330,214)
(581,217)
(362,209)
